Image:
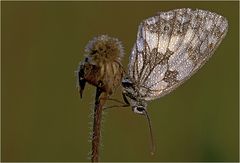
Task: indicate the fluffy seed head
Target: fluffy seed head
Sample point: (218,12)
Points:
(104,49)
(102,65)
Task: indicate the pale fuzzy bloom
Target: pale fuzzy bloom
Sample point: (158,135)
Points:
(104,49)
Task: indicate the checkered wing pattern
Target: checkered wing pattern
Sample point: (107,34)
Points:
(171,47)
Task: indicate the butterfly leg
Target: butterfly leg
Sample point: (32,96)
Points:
(126,104)
(125,98)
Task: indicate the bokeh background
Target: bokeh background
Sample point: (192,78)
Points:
(43,118)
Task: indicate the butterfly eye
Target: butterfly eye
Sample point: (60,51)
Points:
(139,109)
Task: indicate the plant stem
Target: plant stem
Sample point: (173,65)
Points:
(100,100)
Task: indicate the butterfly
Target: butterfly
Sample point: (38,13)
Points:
(170,48)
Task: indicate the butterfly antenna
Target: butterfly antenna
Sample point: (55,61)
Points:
(152,147)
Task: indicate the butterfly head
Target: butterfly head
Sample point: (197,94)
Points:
(139,109)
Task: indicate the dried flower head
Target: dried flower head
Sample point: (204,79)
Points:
(104,49)
(102,64)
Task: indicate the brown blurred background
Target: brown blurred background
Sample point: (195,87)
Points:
(43,118)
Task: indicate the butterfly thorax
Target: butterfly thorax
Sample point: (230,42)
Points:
(131,90)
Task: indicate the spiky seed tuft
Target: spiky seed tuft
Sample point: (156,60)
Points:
(104,49)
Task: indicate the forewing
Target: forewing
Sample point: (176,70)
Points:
(171,47)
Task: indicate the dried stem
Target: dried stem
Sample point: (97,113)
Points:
(100,100)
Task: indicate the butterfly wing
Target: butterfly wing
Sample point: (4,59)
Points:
(171,47)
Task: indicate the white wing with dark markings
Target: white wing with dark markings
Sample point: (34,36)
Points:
(171,47)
